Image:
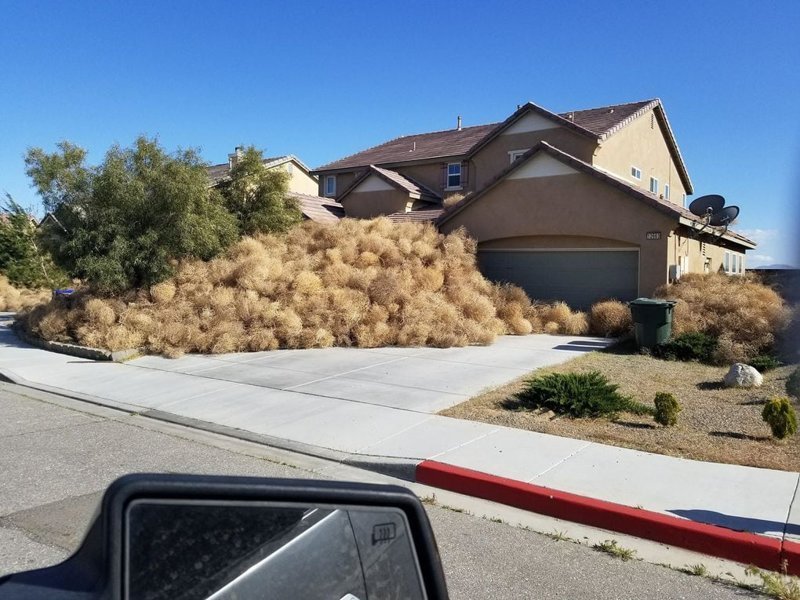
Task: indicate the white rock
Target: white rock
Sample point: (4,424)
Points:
(743,376)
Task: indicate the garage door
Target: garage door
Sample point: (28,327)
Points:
(579,278)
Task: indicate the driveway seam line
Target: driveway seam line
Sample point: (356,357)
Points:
(395,434)
(561,462)
(380,364)
(456,447)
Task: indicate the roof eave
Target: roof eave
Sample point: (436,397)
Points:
(731,236)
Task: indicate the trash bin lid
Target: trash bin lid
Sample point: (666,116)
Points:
(651,302)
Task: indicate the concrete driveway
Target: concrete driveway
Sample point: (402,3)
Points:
(424,380)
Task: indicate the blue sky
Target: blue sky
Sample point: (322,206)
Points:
(325,79)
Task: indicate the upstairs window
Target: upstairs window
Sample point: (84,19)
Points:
(330,185)
(666,191)
(654,185)
(636,173)
(453,176)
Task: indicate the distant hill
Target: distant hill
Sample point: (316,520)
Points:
(778,266)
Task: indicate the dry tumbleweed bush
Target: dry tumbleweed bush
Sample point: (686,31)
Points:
(353,283)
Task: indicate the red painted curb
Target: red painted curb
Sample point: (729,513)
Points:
(747,548)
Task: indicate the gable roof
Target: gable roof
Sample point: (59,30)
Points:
(220,172)
(319,209)
(415,190)
(595,123)
(683,215)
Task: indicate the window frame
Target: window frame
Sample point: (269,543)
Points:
(653,188)
(330,190)
(448,175)
(636,172)
(666,191)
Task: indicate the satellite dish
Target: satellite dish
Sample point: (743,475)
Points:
(704,204)
(724,217)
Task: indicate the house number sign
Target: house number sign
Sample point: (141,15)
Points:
(653,235)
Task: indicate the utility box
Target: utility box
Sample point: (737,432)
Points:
(652,321)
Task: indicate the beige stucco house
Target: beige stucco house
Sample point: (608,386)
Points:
(303,185)
(577,206)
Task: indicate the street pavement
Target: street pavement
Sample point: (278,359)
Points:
(379,405)
(58,455)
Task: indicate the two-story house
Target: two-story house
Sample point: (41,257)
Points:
(577,206)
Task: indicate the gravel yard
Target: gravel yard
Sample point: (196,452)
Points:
(715,424)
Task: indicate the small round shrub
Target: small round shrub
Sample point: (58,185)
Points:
(610,318)
(780,416)
(764,362)
(667,409)
(578,395)
(793,383)
(695,346)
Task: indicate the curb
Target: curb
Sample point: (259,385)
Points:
(747,548)
(74,349)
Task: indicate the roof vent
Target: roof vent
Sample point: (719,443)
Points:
(571,116)
(413,147)
(610,110)
(458,123)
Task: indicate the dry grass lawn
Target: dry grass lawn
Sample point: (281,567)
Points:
(716,424)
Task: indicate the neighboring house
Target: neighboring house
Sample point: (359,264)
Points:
(576,206)
(302,185)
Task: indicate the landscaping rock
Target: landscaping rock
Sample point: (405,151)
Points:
(743,376)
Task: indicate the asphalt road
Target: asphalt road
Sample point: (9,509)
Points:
(57,456)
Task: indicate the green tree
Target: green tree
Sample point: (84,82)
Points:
(123,223)
(22,258)
(258,197)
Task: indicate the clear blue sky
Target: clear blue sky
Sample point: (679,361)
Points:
(325,79)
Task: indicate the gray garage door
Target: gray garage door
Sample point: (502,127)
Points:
(580,278)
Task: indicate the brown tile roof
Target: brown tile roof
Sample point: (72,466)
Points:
(605,119)
(319,209)
(426,215)
(451,142)
(645,196)
(408,184)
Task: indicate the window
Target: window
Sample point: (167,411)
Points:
(330,185)
(636,173)
(453,176)
(654,185)
(515,154)
(726,263)
(684,200)
(733,263)
(666,191)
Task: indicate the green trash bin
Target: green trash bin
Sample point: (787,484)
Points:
(652,320)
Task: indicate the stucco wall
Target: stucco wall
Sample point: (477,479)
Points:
(366,205)
(343,181)
(570,205)
(431,174)
(642,143)
(494,158)
(301,182)
(699,252)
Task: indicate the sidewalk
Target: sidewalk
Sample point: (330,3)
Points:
(383,411)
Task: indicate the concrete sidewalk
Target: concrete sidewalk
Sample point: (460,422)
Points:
(378,405)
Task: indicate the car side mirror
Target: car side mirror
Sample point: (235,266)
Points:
(225,538)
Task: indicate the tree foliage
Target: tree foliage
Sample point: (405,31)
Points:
(22,259)
(257,196)
(124,223)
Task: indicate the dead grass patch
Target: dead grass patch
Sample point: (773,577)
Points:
(716,424)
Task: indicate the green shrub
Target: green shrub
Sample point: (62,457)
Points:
(764,362)
(578,395)
(793,383)
(667,409)
(780,416)
(687,347)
